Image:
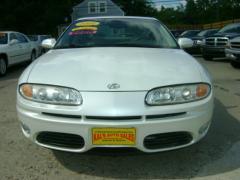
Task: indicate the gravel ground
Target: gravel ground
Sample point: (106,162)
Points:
(215,157)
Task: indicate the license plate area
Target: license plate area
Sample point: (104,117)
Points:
(114,136)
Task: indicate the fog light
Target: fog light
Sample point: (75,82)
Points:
(204,128)
(26,129)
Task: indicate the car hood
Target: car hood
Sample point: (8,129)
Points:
(134,69)
(198,38)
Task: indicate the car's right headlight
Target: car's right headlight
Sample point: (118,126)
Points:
(50,94)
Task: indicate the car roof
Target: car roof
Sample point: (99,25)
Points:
(117,17)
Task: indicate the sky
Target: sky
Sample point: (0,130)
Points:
(168,3)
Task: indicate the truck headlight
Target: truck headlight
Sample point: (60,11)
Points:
(199,42)
(203,42)
(50,94)
(177,94)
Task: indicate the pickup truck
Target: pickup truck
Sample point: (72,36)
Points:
(198,40)
(15,48)
(214,46)
(233,52)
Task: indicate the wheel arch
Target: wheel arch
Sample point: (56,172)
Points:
(5,57)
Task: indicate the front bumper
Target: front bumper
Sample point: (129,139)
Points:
(193,118)
(215,52)
(233,54)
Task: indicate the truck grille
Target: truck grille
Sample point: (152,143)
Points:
(167,140)
(235,45)
(217,42)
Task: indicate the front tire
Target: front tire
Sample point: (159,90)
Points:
(33,56)
(235,64)
(3,67)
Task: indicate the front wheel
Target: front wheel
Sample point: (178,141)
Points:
(235,64)
(3,67)
(33,56)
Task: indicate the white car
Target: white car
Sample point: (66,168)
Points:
(37,39)
(115,82)
(15,48)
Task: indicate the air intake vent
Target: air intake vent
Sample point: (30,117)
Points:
(114,118)
(63,115)
(61,140)
(160,116)
(167,140)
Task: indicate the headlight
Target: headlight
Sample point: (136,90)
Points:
(204,42)
(177,94)
(50,94)
(199,42)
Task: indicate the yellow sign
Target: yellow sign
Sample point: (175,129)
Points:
(114,136)
(85,28)
(88,23)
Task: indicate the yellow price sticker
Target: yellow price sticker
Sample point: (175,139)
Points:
(114,136)
(85,28)
(88,23)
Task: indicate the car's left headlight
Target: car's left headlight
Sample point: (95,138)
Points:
(50,94)
(177,94)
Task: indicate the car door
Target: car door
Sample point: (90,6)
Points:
(14,50)
(25,47)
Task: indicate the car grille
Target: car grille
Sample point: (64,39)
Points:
(235,45)
(217,42)
(61,140)
(167,140)
(115,118)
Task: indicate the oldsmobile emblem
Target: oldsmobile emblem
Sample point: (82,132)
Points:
(113,86)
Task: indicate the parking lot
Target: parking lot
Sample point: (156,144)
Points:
(215,157)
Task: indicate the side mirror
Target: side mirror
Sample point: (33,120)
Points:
(13,42)
(185,43)
(48,43)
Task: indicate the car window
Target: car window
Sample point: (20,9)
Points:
(33,37)
(43,38)
(203,33)
(3,38)
(189,33)
(13,36)
(212,32)
(21,38)
(232,28)
(114,32)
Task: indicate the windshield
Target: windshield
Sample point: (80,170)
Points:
(43,37)
(3,38)
(113,32)
(189,33)
(203,33)
(207,32)
(33,37)
(232,28)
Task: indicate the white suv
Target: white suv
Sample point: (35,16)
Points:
(15,48)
